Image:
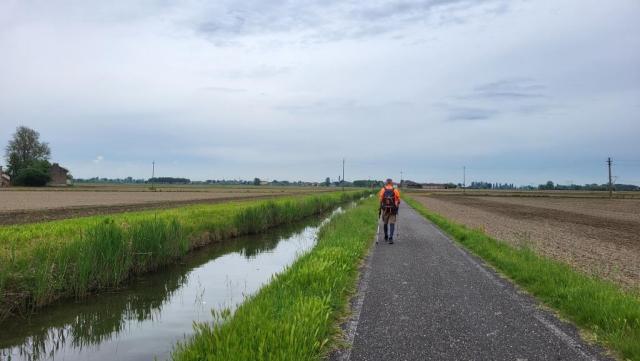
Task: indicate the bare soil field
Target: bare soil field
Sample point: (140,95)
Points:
(598,236)
(25,206)
(530,193)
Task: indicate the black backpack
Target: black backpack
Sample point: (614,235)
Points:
(388,203)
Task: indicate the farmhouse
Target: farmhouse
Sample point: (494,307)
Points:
(58,174)
(434,186)
(410,184)
(5,180)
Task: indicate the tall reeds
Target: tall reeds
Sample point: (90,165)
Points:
(294,317)
(42,262)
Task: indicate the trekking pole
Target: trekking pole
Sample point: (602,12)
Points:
(397,227)
(378,228)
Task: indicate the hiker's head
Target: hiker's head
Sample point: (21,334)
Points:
(390,181)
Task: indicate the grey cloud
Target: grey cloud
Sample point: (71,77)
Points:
(321,106)
(517,88)
(223,89)
(408,9)
(331,20)
(470,114)
(521,95)
(344,107)
(259,71)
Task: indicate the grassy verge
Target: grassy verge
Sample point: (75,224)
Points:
(293,317)
(44,261)
(609,313)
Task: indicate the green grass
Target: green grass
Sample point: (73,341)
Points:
(294,316)
(42,262)
(611,314)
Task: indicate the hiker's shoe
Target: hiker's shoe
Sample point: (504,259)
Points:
(390,240)
(386,238)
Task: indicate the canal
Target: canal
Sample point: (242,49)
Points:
(145,319)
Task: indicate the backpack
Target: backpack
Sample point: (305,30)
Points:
(388,203)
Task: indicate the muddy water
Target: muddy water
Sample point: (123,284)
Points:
(145,319)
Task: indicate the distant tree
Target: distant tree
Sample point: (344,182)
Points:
(547,186)
(368,183)
(256,181)
(24,149)
(327,181)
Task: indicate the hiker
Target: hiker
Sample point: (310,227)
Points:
(389,203)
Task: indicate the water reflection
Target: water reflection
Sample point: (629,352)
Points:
(146,318)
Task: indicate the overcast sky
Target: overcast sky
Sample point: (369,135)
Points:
(516,91)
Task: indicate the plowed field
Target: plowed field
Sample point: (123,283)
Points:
(25,206)
(598,236)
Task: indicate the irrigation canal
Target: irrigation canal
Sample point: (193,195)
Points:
(144,319)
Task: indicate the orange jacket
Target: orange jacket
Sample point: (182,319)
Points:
(396,194)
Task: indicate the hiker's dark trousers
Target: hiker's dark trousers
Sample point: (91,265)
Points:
(389,220)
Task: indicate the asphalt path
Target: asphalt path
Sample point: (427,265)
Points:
(425,298)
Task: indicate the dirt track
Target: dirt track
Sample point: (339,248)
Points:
(598,236)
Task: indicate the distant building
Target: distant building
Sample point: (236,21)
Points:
(434,186)
(410,184)
(59,175)
(5,180)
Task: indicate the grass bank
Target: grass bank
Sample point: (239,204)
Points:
(294,316)
(42,262)
(609,313)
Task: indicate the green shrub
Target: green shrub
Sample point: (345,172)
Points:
(32,177)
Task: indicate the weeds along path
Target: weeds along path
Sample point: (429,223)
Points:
(42,262)
(294,316)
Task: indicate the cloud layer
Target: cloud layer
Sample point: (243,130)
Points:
(518,91)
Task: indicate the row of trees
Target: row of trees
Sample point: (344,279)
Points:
(28,158)
(587,187)
(169,180)
(487,185)
(127,180)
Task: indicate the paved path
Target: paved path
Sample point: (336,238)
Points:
(423,298)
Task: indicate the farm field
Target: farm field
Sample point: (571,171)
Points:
(25,206)
(600,237)
(530,193)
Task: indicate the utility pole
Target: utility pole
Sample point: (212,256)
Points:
(401,178)
(153,173)
(343,174)
(464,179)
(610,181)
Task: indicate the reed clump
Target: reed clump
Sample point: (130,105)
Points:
(294,317)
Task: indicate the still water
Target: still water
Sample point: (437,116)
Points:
(146,318)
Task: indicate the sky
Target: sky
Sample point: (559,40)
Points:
(515,91)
